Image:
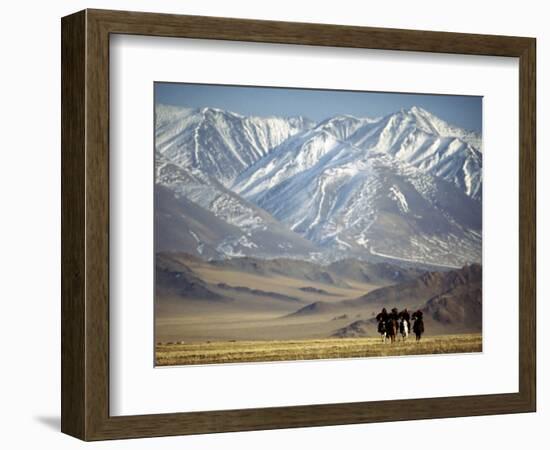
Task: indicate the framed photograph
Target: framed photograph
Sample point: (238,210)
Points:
(273,225)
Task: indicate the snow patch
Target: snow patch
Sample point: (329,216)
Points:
(398,196)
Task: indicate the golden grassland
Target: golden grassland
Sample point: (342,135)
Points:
(169,354)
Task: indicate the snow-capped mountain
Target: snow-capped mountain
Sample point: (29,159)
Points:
(413,136)
(419,138)
(406,186)
(348,200)
(295,156)
(219,143)
(343,127)
(197,214)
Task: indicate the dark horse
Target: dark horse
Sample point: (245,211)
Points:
(392,325)
(391,329)
(418,326)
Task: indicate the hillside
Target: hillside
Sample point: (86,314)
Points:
(450,300)
(404,188)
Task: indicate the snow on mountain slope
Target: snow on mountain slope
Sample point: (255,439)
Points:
(349,201)
(406,186)
(219,143)
(197,214)
(342,127)
(444,129)
(181,225)
(297,154)
(421,139)
(414,136)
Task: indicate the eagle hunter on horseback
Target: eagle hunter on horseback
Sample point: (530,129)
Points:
(381,318)
(404,324)
(389,324)
(392,324)
(418,326)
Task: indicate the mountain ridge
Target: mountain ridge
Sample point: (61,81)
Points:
(402,187)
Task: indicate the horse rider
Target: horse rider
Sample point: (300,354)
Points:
(394,315)
(418,326)
(381,318)
(405,317)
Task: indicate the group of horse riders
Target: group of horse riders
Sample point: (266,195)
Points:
(389,324)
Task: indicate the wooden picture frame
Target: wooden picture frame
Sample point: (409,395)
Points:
(85,224)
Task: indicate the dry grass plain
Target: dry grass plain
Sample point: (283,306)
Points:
(170,354)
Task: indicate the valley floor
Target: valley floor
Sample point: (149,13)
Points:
(171,354)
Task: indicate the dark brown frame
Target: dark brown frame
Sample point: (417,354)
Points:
(85,224)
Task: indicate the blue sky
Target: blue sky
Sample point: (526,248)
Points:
(317,104)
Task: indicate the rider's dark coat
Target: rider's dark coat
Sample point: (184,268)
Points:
(404,315)
(418,326)
(382,316)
